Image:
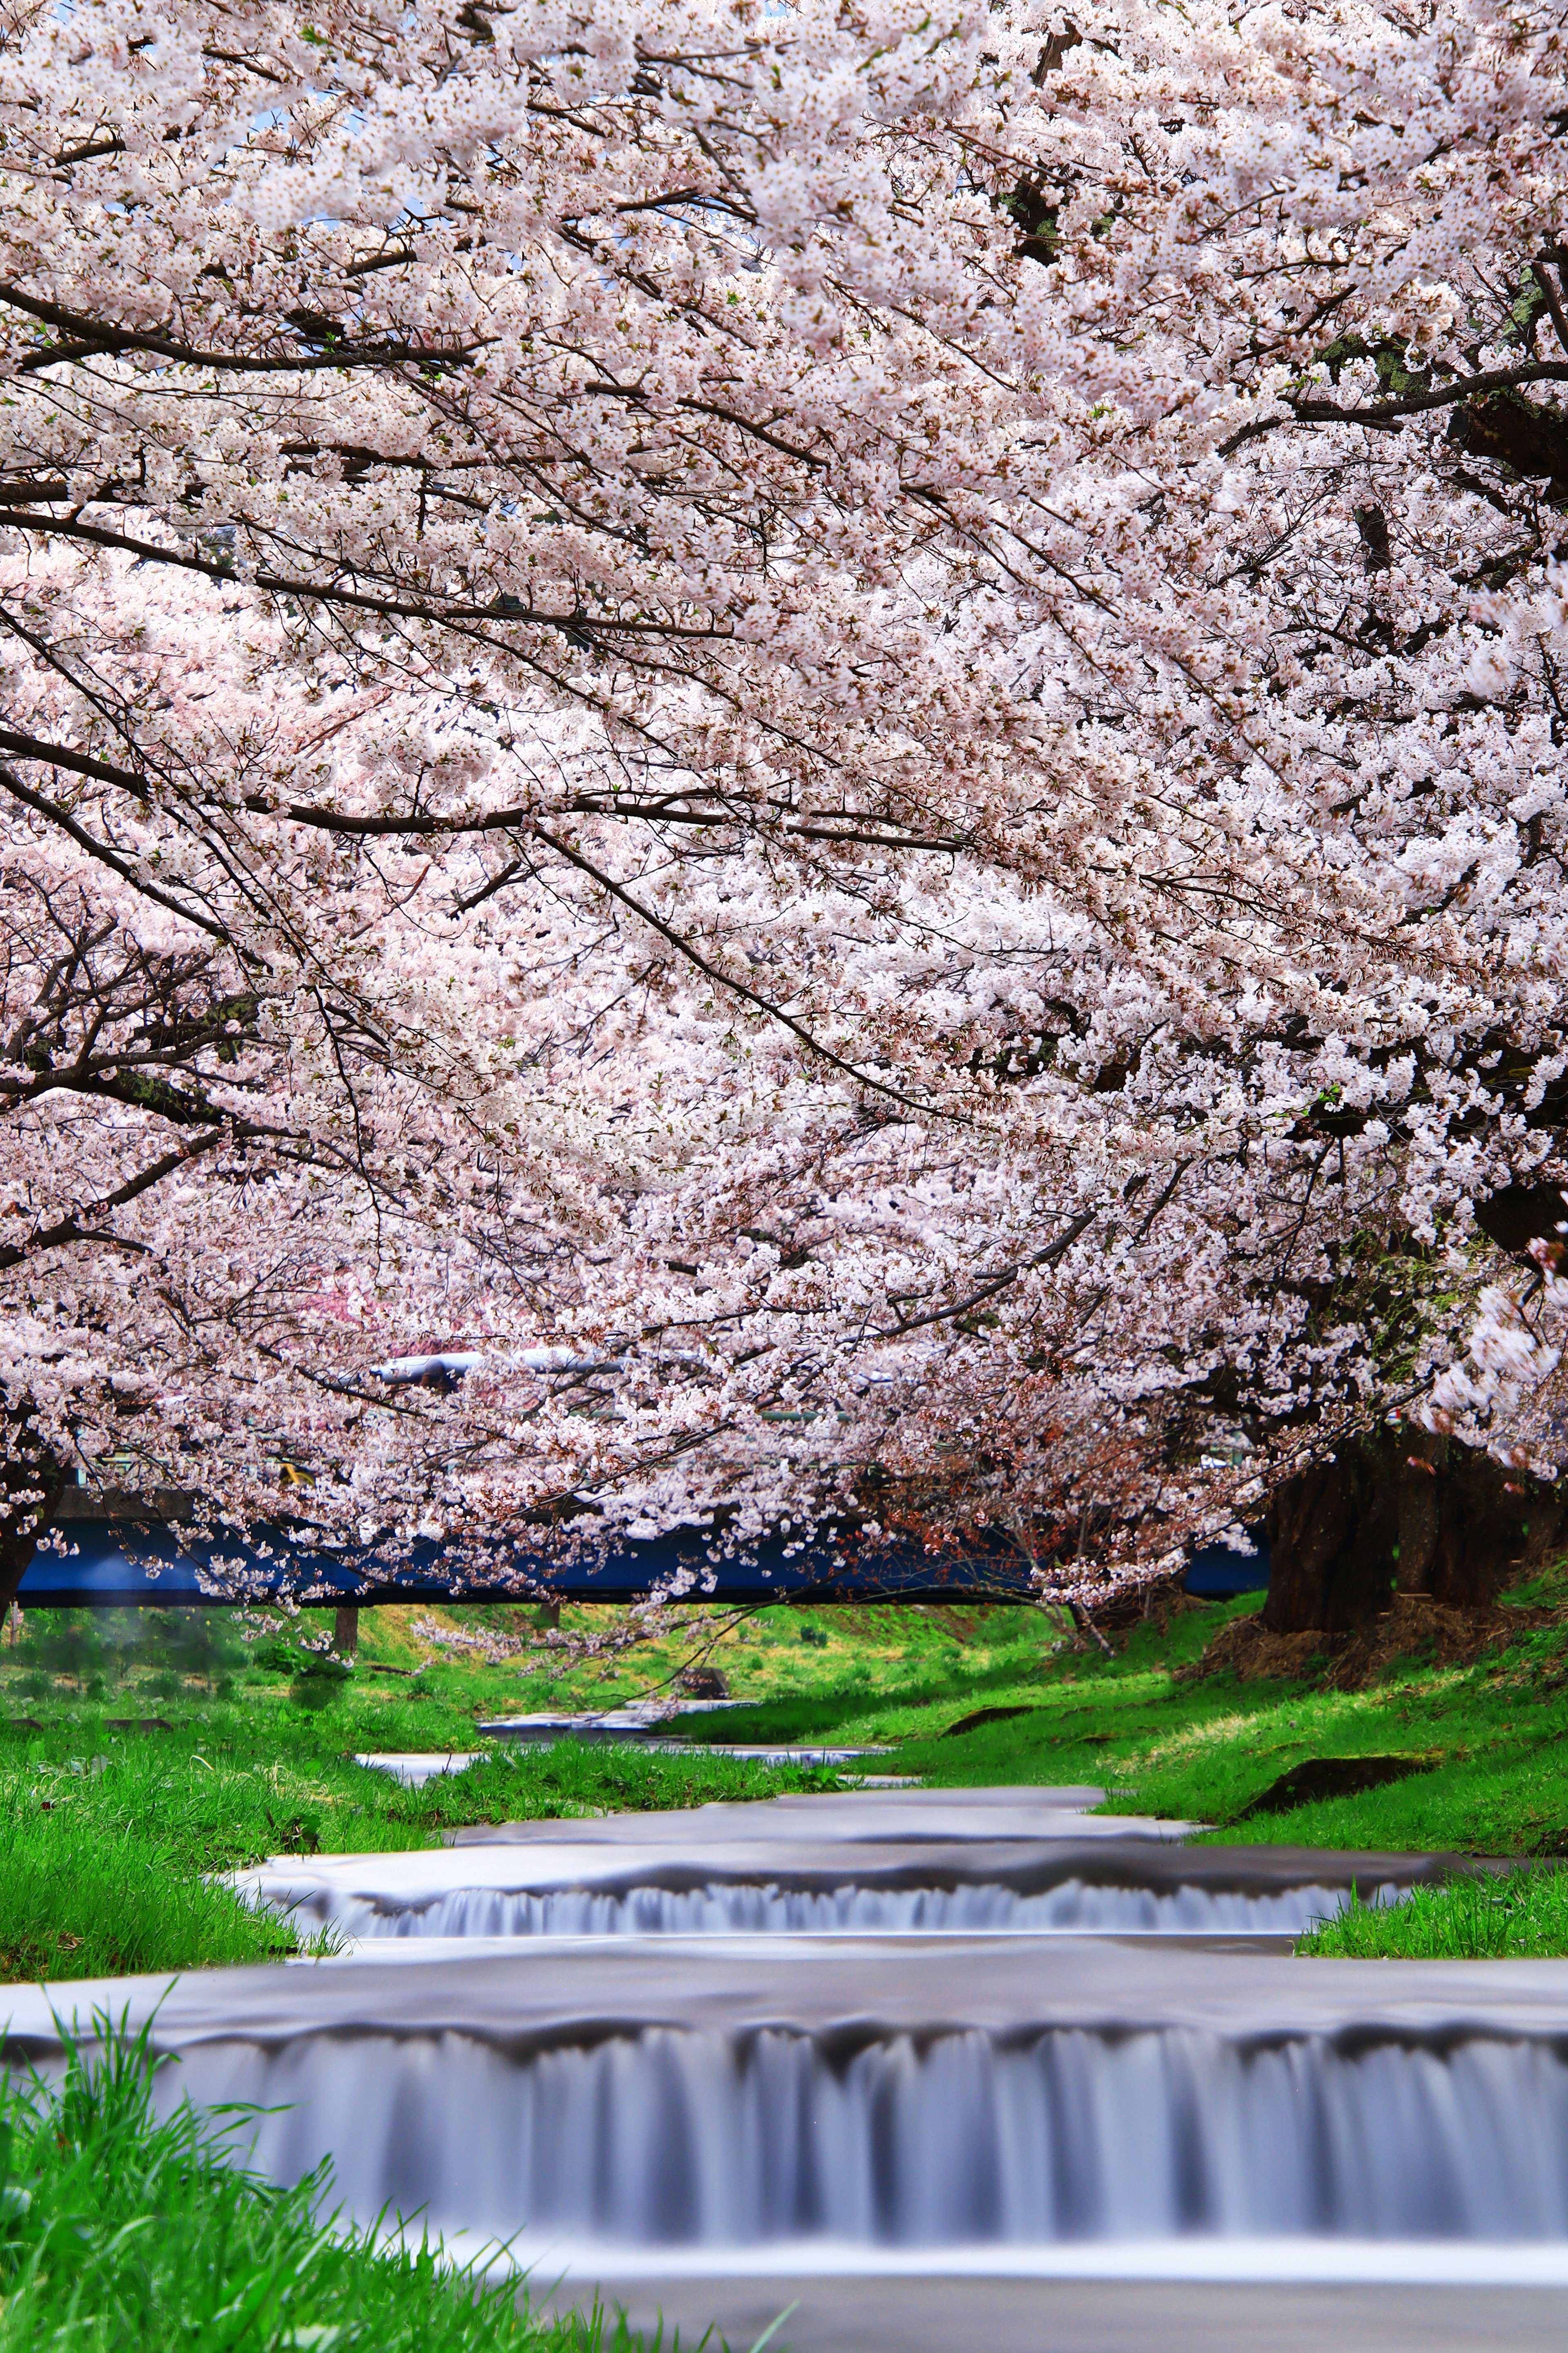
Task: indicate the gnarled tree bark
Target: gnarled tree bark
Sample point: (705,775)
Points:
(31,1483)
(1399,1511)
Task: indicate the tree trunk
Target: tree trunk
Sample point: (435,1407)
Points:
(345,1629)
(31,1482)
(1399,1511)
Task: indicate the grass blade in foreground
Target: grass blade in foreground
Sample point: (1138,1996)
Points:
(1522,1915)
(122,2235)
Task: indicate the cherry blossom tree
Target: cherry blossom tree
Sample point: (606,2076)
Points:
(832,737)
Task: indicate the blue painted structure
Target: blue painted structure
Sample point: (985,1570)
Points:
(1217,1573)
(118,1562)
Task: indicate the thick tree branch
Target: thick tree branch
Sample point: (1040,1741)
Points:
(1382,414)
(92,340)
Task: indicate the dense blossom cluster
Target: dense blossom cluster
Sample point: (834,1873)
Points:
(837,733)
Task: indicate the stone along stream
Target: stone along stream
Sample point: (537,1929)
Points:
(977,2035)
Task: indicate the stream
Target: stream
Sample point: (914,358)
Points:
(972,2036)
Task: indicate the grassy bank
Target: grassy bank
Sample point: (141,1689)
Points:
(1519,1915)
(108,1838)
(92,1899)
(120,2234)
(1483,1746)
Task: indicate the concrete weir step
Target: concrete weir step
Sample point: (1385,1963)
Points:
(940,2313)
(1067,1884)
(820,2103)
(854,1816)
(857,1862)
(852,1989)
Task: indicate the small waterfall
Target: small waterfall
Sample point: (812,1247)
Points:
(729,1908)
(673,2138)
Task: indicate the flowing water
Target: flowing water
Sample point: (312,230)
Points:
(723,1908)
(857,1865)
(819,2035)
(684,2138)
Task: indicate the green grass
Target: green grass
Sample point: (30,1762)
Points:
(1201,1750)
(86,1900)
(122,2235)
(1517,1914)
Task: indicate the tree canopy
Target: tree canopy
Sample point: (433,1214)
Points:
(834,735)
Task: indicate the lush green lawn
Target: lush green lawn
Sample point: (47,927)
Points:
(119,2234)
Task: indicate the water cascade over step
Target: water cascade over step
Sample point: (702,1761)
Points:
(921,2068)
(741,1908)
(778,1875)
(977,2029)
(671,2138)
(732,2093)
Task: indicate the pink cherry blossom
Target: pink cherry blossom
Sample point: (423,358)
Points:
(834,736)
